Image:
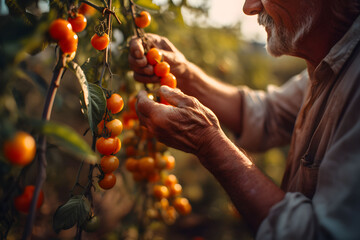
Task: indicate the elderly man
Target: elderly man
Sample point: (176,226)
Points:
(317,112)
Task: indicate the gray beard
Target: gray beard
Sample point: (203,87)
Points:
(280,40)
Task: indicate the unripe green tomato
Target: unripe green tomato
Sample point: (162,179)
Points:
(92,224)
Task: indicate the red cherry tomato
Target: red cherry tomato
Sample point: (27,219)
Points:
(108,181)
(21,149)
(60,29)
(162,69)
(100,42)
(169,80)
(69,44)
(143,19)
(78,23)
(22,202)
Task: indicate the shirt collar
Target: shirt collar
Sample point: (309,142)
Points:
(342,50)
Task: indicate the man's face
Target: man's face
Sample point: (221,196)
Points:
(287,24)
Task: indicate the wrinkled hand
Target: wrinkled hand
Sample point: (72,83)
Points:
(187,125)
(144,72)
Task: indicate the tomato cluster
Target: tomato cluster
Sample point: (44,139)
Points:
(149,162)
(64,32)
(108,143)
(22,202)
(161,69)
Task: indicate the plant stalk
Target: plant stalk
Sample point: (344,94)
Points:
(41,150)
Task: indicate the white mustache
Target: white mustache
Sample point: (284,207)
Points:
(265,20)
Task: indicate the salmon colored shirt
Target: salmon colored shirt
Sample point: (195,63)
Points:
(320,118)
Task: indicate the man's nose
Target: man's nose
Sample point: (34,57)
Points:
(252,7)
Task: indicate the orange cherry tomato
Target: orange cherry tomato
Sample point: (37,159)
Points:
(22,202)
(114,127)
(175,189)
(86,9)
(154,56)
(146,164)
(109,163)
(132,164)
(170,161)
(115,103)
(169,180)
(78,23)
(60,29)
(108,181)
(143,19)
(162,69)
(108,146)
(182,205)
(169,80)
(21,149)
(100,42)
(161,191)
(69,44)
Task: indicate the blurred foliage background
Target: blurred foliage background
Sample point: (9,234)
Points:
(26,64)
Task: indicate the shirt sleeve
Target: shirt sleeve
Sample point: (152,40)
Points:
(269,116)
(333,213)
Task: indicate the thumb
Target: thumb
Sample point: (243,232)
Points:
(176,97)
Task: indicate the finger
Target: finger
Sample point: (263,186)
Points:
(175,97)
(137,62)
(160,42)
(144,105)
(136,48)
(146,78)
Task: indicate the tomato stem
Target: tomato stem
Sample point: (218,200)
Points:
(41,151)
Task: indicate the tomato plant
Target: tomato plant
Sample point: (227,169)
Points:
(20,150)
(100,42)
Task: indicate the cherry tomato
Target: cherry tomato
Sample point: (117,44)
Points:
(86,9)
(69,44)
(169,80)
(100,127)
(109,163)
(22,202)
(108,146)
(162,69)
(161,191)
(153,177)
(60,29)
(114,127)
(78,23)
(143,19)
(108,181)
(170,161)
(153,56)
(175,189)
(91,225)
(115,103)
(182,205)
(132,164)
(146,164)
(100,42)
(21,149)
(169,180)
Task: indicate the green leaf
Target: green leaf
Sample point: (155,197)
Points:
(92,98)
(75,211)
(147,4)
(69,139)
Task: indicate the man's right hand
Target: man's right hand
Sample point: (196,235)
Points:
(144,72)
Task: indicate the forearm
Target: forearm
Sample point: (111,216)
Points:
(223,99)
(251,191)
